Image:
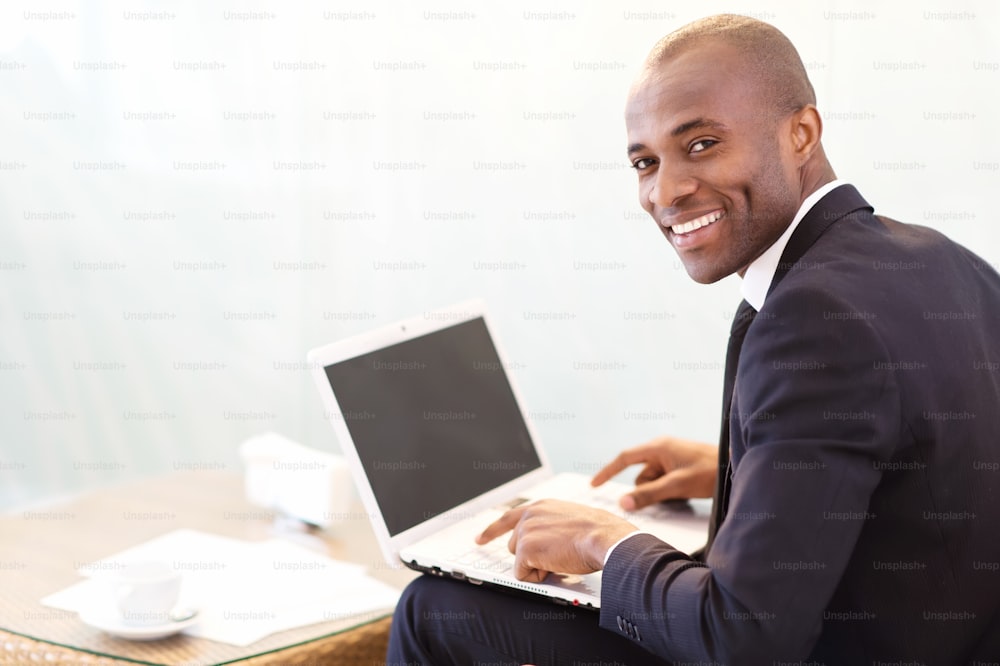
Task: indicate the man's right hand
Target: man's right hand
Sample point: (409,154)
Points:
(674,469)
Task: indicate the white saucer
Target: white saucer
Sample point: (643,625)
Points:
(111,622)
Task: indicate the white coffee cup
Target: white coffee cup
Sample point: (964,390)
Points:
(144,592)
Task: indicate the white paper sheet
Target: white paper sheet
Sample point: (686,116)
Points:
(245,590)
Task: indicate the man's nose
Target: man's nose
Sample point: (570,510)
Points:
(670,185)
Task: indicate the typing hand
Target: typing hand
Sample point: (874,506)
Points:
(674,469)
(557,536)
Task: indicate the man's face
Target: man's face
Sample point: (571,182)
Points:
(717,170)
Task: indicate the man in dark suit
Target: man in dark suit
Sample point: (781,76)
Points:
(856,500)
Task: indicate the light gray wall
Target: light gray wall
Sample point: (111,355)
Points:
(332,167)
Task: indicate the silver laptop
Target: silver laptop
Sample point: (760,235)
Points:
(439,446)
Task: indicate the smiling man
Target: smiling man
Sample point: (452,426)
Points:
(856,479)
(722,127)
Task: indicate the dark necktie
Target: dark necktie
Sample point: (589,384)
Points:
(720,503)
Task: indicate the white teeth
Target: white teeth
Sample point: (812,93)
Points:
(697,223)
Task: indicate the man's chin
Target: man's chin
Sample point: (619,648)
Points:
(704,272)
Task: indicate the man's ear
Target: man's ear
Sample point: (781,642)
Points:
(807,131)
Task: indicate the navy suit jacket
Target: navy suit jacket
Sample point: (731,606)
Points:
(864,516)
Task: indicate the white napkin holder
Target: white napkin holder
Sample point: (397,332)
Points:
(308,484)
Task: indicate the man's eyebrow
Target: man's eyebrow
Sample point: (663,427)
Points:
(697,123)
(635,148)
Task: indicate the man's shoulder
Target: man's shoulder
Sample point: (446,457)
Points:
(868,249)
(864,235)
(869,272)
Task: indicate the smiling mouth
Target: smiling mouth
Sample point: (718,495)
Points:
(697,223)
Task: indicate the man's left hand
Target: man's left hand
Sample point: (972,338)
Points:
(553,535)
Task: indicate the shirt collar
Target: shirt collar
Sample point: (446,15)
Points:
(759,274)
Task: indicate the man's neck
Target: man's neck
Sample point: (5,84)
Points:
(758,275)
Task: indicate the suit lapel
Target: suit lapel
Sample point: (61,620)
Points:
(838,203)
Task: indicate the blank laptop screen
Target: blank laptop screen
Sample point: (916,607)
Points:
(434,422)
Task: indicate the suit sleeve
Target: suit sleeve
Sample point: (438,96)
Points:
(815,411)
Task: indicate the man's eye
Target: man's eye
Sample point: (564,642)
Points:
(642,163)
(701,145)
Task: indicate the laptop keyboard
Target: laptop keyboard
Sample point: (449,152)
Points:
(495,557)
(607,500)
